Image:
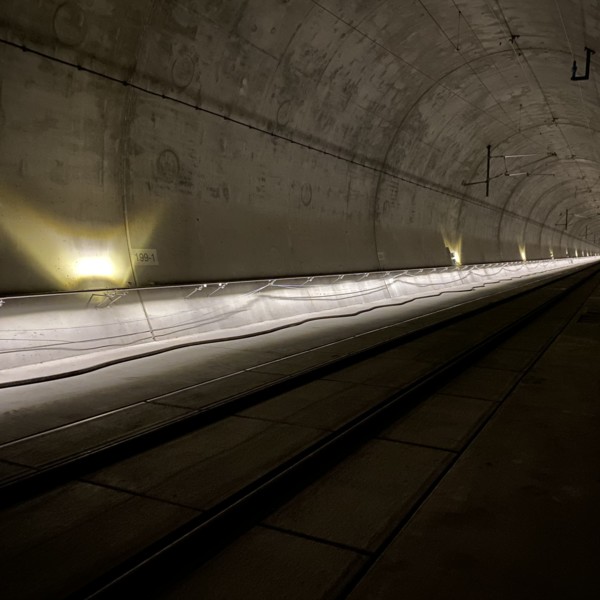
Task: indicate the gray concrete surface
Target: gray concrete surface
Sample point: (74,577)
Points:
(441,421)
(528,457)
(205,467)
(383,371)
(361,500)
(231,182)
(51,412)
(68,332)
(322,404)
(66,442)
(517,515)
(482,383)
(392,86)
(303,570)
(60,540)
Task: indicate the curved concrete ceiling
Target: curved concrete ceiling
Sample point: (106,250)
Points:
(261,138)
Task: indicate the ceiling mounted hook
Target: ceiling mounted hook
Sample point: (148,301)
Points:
(588,59)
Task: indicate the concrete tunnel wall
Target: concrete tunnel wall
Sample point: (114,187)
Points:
(267,138)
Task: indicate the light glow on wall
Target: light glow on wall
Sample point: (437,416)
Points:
(66,254)
(453,244)
(523,252)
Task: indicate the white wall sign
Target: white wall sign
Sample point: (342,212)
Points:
(144,257)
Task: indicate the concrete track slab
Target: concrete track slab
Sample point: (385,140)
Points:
(516,518)
(482,383)
(507,359)
(440,421)
(388,372)
(59,541)
(447,344)
(362,499)
(533,338)
(322,404)
(517,515)
(9,471)
(573,357)
(380,336)
(302,570)
(299,362)
(533,391)
(68,441)
(212,392)
(204,467)
(407,350)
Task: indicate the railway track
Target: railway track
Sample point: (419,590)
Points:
(219,486)
(93,455)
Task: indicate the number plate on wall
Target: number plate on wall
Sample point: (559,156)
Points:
(144,257)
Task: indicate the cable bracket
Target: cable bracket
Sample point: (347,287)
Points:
(588,60)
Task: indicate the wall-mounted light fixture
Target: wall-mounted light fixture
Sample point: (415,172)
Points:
(454,255)
(94,267)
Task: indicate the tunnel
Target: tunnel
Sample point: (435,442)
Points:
(244,140)
(175,173)
(162,144)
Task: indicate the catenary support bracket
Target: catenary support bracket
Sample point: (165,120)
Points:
(588,60)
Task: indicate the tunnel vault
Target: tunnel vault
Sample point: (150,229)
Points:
(201,140)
